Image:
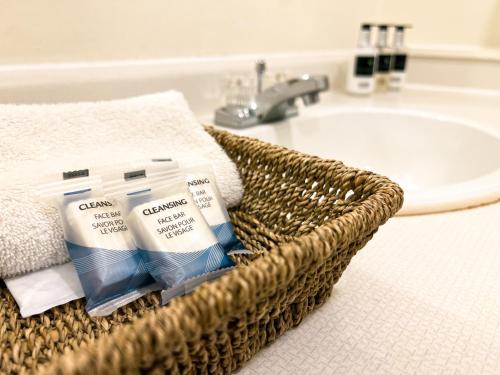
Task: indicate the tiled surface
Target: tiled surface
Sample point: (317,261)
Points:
(423,297)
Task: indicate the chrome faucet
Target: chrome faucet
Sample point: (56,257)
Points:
(273,104)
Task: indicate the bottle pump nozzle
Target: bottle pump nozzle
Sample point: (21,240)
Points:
(399,35)
(382,36)
(365,35)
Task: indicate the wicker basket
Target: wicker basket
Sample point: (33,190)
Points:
(304,218)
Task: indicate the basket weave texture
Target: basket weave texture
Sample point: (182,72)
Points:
(304,218)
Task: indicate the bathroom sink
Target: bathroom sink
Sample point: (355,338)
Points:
(442,162)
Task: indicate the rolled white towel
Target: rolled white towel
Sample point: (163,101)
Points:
(41,139)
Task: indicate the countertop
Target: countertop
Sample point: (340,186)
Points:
(422,297)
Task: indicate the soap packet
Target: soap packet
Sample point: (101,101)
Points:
(169,230)
(107,261)
(137,169)
(202,185)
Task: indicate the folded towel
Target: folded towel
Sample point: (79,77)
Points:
(43,139)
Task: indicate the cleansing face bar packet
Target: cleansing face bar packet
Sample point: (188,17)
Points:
(109,266)
(203,187)
(172,235)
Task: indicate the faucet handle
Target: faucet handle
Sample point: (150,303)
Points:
(260,68)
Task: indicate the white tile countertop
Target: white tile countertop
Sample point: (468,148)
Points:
(422,297)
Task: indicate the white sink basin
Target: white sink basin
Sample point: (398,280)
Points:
(442,163)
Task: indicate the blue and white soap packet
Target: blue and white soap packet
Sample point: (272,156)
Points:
(202,185)
(107,261)
(169,230)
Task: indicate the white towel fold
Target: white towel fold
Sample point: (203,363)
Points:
(36,140)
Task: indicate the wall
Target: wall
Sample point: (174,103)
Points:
(76,30)
(449,22)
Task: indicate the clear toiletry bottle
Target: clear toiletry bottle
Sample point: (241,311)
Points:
(397,72)
(383,62)
(360,73)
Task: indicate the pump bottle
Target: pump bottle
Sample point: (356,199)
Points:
(397,72)
(383,61)
(360,73)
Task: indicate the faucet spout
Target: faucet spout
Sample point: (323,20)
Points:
(275,103)
(278,102)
